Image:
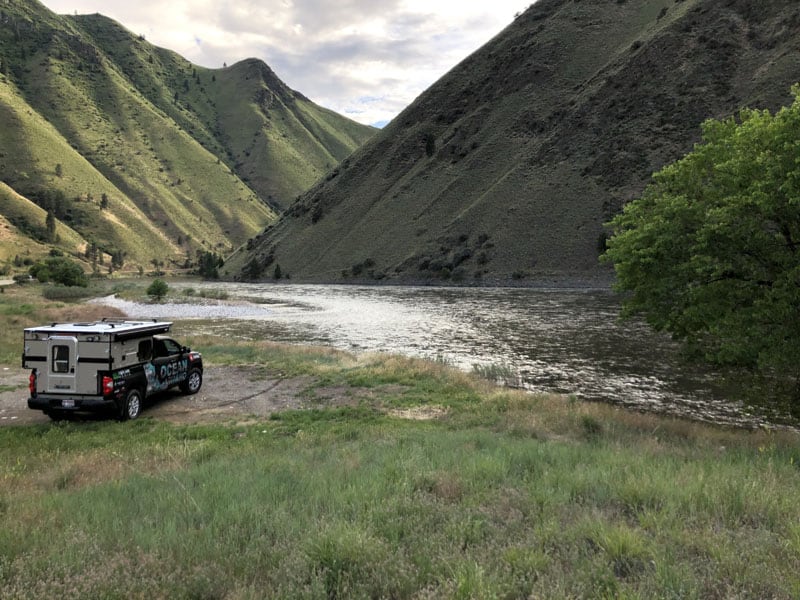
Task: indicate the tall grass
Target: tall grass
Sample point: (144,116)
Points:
(349,503)
(212,293)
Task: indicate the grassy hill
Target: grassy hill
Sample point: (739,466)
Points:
(507,168)
(141,152)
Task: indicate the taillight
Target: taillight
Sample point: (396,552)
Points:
(193,356)
(108,385)
(32,382)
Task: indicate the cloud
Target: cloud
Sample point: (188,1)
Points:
(366,59)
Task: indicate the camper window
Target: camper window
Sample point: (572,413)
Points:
(60,359)
(145,350)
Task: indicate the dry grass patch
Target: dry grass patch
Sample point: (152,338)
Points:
(419,413)
(68,313)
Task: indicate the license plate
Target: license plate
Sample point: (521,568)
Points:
(68,404)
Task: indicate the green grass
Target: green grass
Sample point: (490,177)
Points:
(496,494)
(352,503)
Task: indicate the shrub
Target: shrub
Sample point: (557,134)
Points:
(62,292)
(61,270)
(158,289)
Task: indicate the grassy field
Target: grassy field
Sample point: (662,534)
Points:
(440,486)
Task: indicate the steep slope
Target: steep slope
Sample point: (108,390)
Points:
(274,138)
(507,168)
(23,230)
(127,146)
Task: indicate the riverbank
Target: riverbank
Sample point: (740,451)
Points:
(390,477)
(602,280)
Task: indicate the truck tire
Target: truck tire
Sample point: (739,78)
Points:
(193,382)
(132,405)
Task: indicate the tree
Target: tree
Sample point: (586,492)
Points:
(711,252)
(61,270)
(430,144)
(50,225)
(208,264)
(158,289)
(157,264)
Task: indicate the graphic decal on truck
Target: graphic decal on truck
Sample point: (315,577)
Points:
(162,377)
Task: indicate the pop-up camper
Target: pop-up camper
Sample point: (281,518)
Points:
(110,364)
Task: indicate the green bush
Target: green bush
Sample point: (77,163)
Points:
(59,269)
(62,292)
(158,289)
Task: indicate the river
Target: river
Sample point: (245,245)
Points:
(550,340)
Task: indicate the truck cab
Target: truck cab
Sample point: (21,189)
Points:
(112,364)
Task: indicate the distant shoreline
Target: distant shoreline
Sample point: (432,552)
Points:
(566,281)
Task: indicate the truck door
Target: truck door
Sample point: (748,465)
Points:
(62,358)
(169,365)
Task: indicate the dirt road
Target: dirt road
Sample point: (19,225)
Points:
(228,393)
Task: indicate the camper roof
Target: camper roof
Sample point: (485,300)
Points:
(118,328)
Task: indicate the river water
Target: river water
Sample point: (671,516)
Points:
(551,340)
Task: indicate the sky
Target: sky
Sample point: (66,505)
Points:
(365,59)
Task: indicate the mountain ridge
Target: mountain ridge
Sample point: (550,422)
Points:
(146,155)
(507,168)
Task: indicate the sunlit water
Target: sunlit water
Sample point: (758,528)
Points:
(566,341)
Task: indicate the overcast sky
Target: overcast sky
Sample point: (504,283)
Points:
(366,59)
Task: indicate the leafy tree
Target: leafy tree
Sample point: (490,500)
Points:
(59,269)
(158,289)
(711,252)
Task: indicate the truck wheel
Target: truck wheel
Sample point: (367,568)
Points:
(132,406)
(193,382)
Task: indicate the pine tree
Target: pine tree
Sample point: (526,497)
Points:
(50,224)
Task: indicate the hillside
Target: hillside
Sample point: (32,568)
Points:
(507,168)
(142,153)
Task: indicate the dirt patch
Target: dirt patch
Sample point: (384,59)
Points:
(228,393)
(13,398)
